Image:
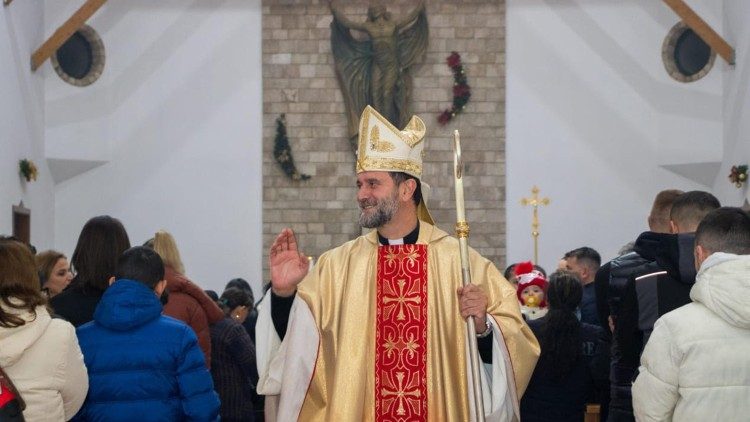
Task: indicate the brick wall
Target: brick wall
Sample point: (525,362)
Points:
(299,80)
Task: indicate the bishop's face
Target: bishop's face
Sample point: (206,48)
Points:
(377,196)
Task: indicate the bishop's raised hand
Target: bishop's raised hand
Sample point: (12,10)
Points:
(288,265)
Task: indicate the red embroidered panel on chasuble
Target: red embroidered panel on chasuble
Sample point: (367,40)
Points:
(401,334)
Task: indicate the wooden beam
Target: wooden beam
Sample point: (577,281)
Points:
(64,32)
(704,30)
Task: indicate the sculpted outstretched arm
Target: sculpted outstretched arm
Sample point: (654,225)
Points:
(411,16)
(344,20)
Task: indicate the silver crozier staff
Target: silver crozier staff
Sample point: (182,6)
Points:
(462,232)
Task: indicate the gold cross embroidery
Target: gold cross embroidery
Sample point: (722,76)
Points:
(400,394)
(411,255)
(401,300)
(398,345)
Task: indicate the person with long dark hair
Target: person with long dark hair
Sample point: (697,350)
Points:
(102,240)
(573,364)
(233,357)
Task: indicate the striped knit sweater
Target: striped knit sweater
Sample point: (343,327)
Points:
(233,369)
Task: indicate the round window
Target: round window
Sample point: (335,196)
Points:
(80,60)
(686,56)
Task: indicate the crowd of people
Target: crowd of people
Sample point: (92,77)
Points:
(121,333)
(375,330)
(654,334)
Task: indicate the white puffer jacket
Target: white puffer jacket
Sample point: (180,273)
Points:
(43,360)
(695,366)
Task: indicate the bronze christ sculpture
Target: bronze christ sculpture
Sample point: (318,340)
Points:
(375,71)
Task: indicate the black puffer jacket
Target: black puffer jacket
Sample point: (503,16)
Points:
(644,285)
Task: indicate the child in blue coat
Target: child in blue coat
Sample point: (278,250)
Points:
(143,366)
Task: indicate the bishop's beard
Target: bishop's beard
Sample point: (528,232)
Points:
(382,212)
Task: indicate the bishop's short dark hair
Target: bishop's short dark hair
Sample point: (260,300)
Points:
(400,177)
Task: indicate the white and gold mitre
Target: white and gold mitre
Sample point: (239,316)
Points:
(383,147)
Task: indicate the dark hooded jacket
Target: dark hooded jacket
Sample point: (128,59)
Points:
(143,366)
(644,285)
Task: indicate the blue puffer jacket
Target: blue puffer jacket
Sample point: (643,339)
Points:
(143,366)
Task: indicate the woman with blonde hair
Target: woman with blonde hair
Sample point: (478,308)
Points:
(40,355)
(186,301)
(54,272)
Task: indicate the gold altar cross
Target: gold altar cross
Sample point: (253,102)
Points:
(535,202)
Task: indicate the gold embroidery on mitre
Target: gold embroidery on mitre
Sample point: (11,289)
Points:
(376,144)
(380,145)
(363,124)
(414,132)
(389,164)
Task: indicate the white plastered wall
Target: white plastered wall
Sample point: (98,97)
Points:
(22,121)
(170,136)
(736,101)
(594,120)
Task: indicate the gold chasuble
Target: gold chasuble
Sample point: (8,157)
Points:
(391,342)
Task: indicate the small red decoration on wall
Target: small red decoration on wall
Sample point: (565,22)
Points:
(461,89)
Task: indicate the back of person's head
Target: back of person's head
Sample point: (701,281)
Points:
(725,229)
(45,263)
(234,297)
(561,338)
(212,294)
(658,219)
(689,209)
(164,244)
(19,281)
(564,291)
(141,264)
(102,240)
(241,283)
(509,271)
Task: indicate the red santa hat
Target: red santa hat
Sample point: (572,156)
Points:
(528,276)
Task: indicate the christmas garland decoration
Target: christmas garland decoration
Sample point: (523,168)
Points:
(283,152)
(461,89)
(28,169)
(738,175)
